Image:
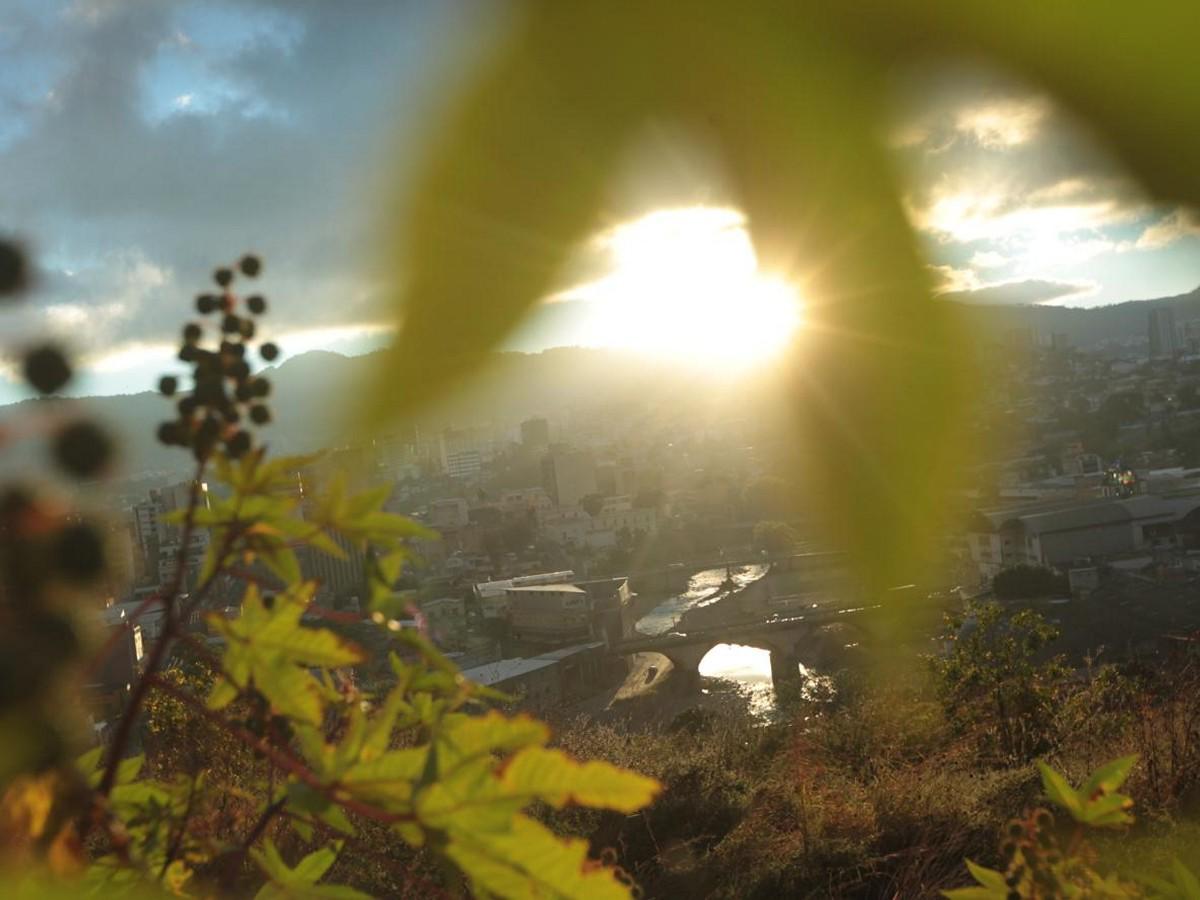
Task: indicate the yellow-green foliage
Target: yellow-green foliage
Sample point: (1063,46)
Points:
(794,99)
(426,759)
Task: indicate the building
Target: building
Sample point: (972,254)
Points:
(446,619)
(521,502)
(463,464)
(338,578)
(535,434)
(545,681)
(492,596)
(452,513)
(611,604)
(568,476)
(464,451)
(568,527)
(619,514)
(549,613)
(1164,339)
(158,540)
(1058,534)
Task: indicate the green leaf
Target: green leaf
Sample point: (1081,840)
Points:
(1186,883)
(300,882)
(880,388)
(1059,791)
(1109,810)
(557,779)
(271,649)
(466,737)
(529,862)
(88,765)
(128,769)
(387,778)
(1109,777)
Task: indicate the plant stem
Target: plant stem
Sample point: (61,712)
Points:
(282,759)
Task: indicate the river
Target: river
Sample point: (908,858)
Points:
(748,667)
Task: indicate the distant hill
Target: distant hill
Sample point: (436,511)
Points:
(314,395)
(1117,323)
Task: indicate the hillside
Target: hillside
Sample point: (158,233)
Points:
(1117,323)
(314,397)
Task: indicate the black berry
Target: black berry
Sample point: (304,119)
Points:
(47,369)
(167,385)
(259,414)
(257,304)
(170,433)
(268,351)
(192,332)
(83,449)
(14,271)
(79,552)
(238,445)
(206,303)
(250,265)
(223,276)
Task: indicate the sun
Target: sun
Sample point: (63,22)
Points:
(685,283)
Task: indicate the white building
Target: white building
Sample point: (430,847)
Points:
(549,613)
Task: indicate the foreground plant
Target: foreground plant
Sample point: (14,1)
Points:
(1045,861)
(418,753)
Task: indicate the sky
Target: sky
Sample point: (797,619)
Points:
(141,143)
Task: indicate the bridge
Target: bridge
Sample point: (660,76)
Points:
(676,575)
(783,636)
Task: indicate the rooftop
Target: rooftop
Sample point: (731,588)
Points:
(549,588)
(505,669)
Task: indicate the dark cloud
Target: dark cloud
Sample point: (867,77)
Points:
(1019,293)
(129,212)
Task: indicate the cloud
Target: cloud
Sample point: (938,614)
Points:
(1019,293)
(989,259)
(1002,124)
(1176,225)
(128,209)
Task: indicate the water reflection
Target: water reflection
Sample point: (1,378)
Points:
(750,667)
(703,588)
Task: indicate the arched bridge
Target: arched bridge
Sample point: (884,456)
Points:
(783,636)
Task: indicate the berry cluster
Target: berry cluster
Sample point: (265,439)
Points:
(224,390)
(48,551)
(1034,859)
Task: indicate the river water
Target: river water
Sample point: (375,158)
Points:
(748,667)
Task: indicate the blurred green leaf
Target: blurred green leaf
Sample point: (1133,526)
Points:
(794,98)
(1059,791)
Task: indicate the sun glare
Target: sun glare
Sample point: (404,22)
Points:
(686,283)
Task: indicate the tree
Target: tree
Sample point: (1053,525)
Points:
(992,681)
(776,538)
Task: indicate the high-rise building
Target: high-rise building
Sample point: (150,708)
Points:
(568,476)
(535,433)
(158,540)
(1164,341)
